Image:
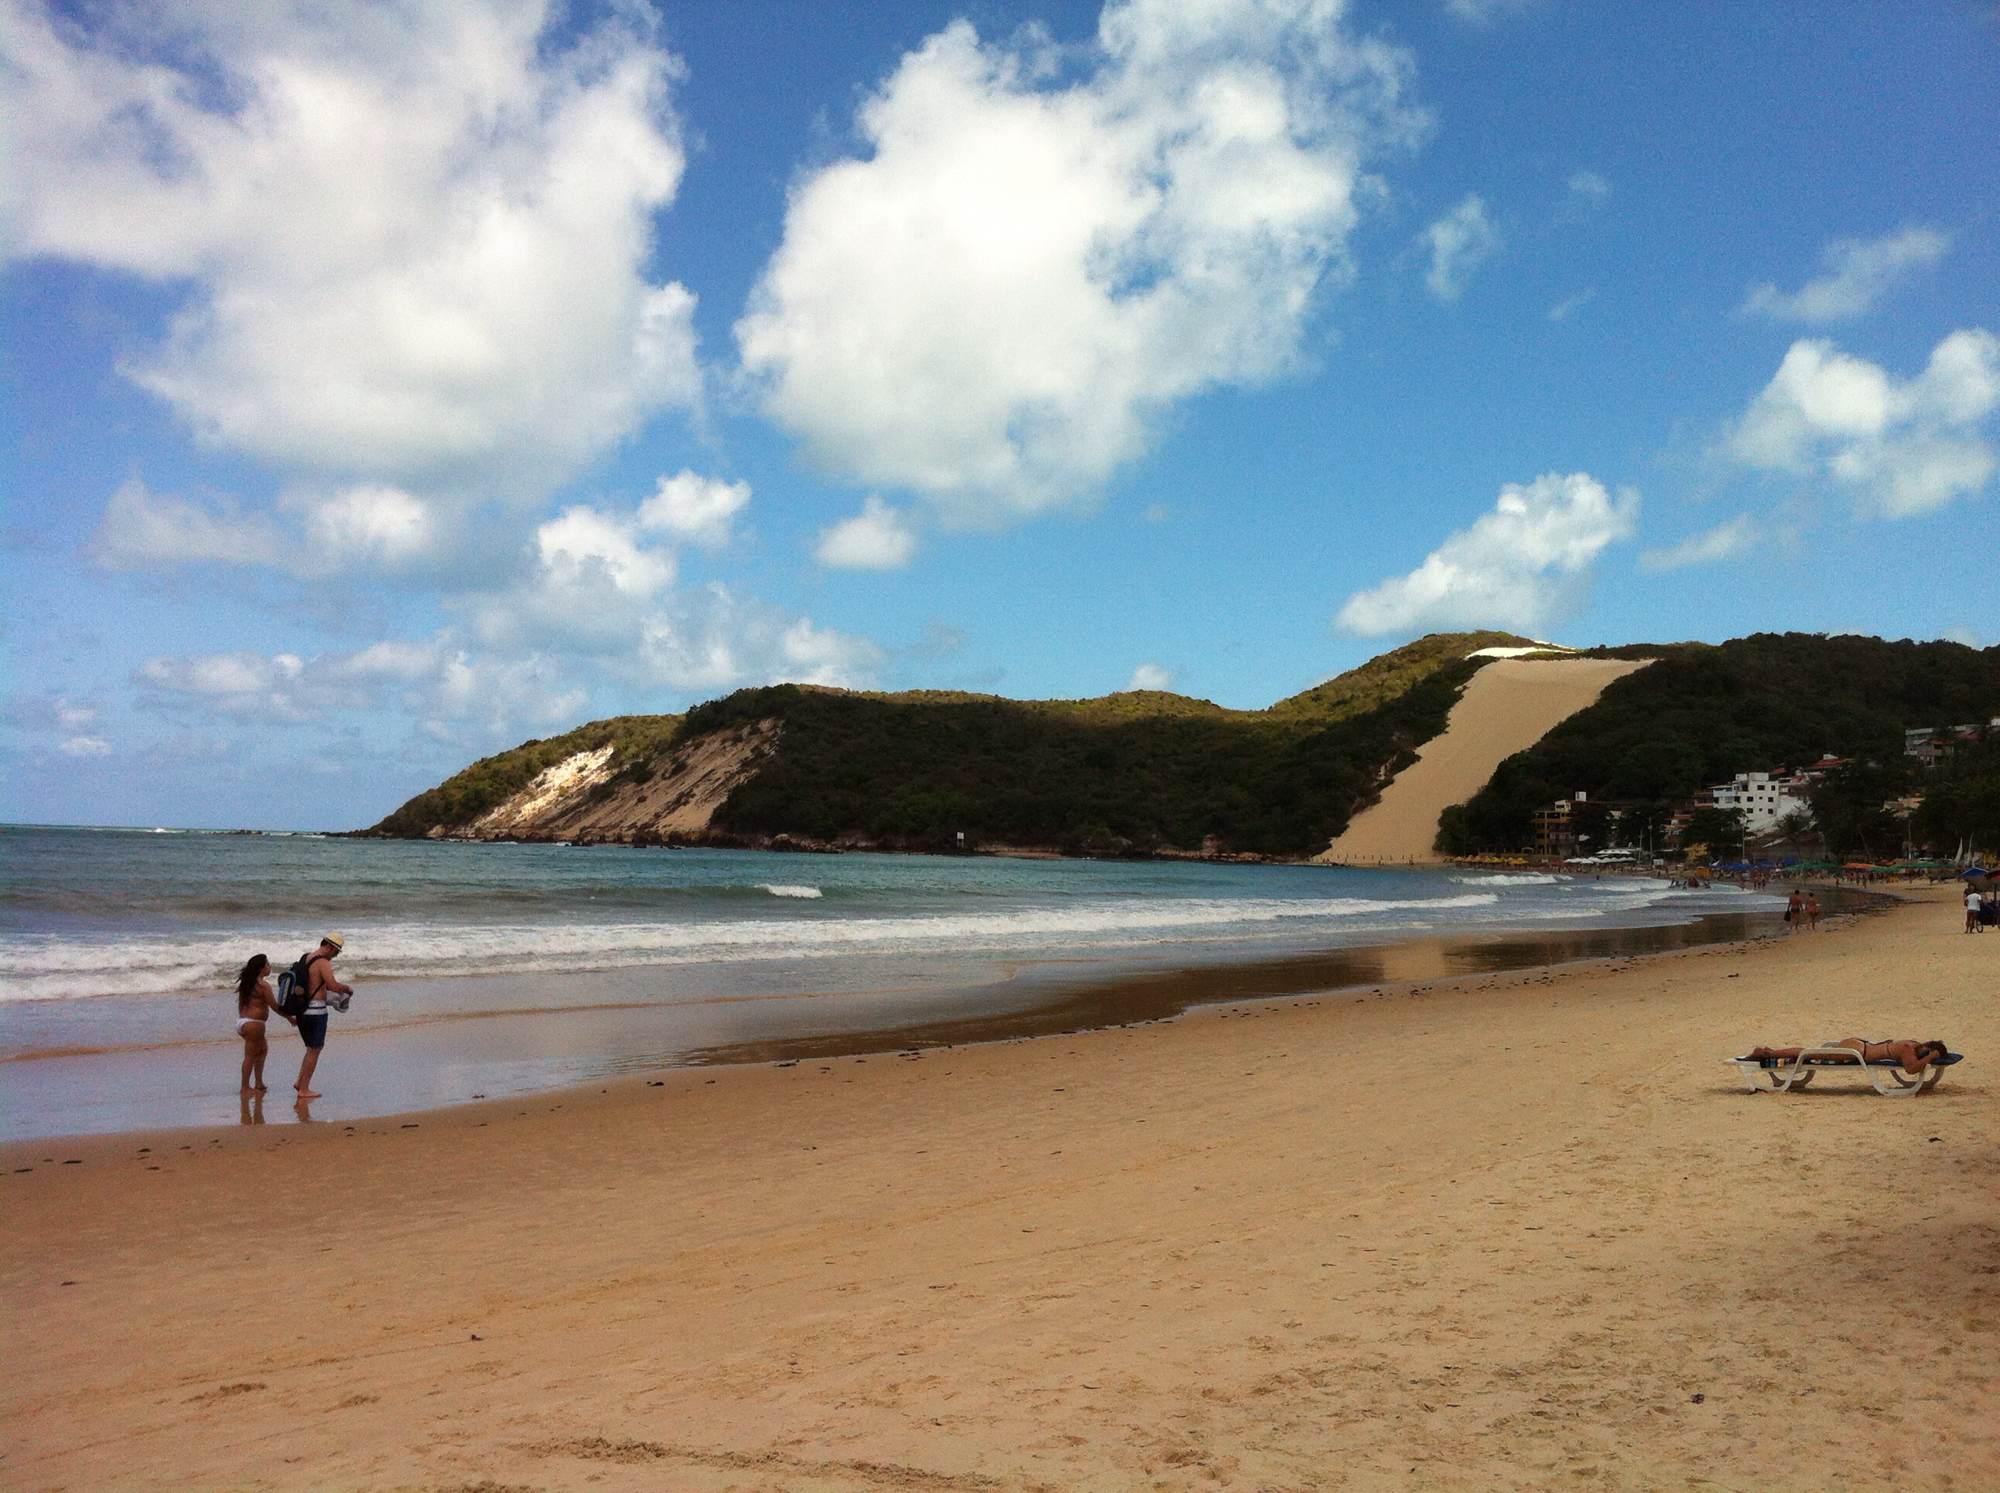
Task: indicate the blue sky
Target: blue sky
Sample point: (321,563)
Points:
(387,384)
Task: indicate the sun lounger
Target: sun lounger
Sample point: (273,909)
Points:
(1776,1075)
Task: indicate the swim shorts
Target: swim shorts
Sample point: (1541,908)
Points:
(312,1029)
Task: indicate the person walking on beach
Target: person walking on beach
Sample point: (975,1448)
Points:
(253,1009)
(1795,911)
(1972,905)
(320,982)
(1812,911)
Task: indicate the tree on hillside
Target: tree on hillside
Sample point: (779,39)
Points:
(1718,831)
(1641,826)
(1702,713)
(1849,806)
(1962,803)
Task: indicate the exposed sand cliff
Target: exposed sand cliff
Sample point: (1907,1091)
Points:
(1509,706)
(583,798)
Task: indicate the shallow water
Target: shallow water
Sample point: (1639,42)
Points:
(491,969)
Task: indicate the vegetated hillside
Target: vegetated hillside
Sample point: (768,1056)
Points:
(1702,713)
(491,781)
(1385,677)
(1135,772)
(1961,804)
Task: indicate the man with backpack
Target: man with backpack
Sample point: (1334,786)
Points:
(319,983)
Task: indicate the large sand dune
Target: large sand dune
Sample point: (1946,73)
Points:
(1510,705)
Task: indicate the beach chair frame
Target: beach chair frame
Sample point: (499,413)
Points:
(1779,1075)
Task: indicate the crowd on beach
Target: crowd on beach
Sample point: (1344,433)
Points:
(257,1001)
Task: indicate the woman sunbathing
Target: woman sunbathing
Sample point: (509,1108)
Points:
(1914,1056)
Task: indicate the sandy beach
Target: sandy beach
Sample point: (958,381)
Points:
(1518,1231)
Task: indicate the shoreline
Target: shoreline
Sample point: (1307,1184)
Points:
(453,1056)
(1504,1231)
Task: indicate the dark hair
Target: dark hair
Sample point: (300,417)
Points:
(1935,1045)
(247,978)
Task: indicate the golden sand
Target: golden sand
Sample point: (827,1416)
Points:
(1526,1232)
(1509,706)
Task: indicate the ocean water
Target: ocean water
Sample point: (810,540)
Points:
(86,914)
(126,942)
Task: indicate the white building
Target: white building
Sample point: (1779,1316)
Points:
(1761,799)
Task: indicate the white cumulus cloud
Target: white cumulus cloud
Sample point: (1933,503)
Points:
(1859,272)
(1515,567)
(371,521)
(876,538)
(1588,186)
(439,682)
(698,509)
(584,548)
(85,746)
(1900,447)
(412,238)
(1037,252)
(392,659)
(1459,242)
(1485,12)
(239,684)
(1151,676)
(710,639)
(498,695)
(1710,547)
(145,530)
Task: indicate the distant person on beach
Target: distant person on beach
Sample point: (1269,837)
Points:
(1914,1056)
(320,983)
(1812,911)
(253,1009)
(1795,911)
(1972,905)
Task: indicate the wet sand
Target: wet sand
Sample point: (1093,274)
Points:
(1516,1230)
(457,1041)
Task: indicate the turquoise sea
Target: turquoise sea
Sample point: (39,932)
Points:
(118,946)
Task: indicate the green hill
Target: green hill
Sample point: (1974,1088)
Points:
(491,781)
(1702,713)
(1383,678)
(1134,772)
(1149,772)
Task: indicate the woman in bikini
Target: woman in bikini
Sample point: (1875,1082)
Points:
(253,1009)
(1912,1055)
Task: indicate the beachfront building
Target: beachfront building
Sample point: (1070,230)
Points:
(1761,798)
(1555,829)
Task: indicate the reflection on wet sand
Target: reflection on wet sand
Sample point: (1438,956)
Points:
(515,1041)
(1079,1001)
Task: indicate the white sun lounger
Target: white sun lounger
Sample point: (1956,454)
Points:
(1776,1075)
